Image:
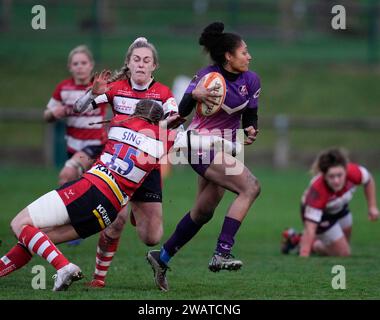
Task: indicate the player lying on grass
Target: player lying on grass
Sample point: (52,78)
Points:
(325,213)
(88,205)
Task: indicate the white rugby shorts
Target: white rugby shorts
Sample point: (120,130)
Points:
(336,231)
(48,211)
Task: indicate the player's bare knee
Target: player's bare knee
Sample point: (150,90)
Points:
(256,188)
(152,238)
(121,219)
(252,189)
(151,242)
(16,225)
(117,226)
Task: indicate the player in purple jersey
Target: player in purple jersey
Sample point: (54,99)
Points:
(231,58)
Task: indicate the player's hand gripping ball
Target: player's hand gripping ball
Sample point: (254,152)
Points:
(215,83)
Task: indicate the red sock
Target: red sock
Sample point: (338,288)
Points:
(16,258)
(105,251)
(39,243)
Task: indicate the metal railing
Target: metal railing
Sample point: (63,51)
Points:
(53,151)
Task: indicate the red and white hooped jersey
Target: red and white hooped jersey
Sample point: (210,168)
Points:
(79,134)
(319,199)
(123,97)
(133,149)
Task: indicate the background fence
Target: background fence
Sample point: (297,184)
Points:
(320,85)
(280,154)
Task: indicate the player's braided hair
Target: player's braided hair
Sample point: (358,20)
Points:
(329,158)
(149,110)
(124,73)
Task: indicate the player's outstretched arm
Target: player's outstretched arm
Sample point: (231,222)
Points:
(54,111)
(307,239)
(370,194)
(172,121)
(84,103)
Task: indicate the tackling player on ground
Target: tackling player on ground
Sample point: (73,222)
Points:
(90,204)
(325,212)
(122,91)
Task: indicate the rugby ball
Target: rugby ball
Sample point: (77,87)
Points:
(210,80)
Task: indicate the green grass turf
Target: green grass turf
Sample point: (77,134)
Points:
(266,274)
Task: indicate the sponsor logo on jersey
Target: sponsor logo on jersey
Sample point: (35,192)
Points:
(225,246)
(104,170)
(5,260)
(69,193)
(153,95)
(101,214)
(103,173)
(124,109)
(257,93)
(243,90)
(125,92)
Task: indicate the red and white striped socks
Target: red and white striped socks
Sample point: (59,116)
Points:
(38,242)
(16,258)
(105,251)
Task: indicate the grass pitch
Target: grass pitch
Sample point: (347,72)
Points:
(266,273)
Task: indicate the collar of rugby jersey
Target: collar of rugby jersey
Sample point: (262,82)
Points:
(230,76)
(137,87)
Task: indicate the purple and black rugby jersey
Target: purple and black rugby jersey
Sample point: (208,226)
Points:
(241,94)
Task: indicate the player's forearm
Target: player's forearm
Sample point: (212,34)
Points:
(305,245)
(186,105)
(307,240)
(250,118)
(370,193)
(84,103)
(49,116)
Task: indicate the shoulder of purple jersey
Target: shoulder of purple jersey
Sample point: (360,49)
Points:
(252,76)
(253,81)
(206,70)
(198,76)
